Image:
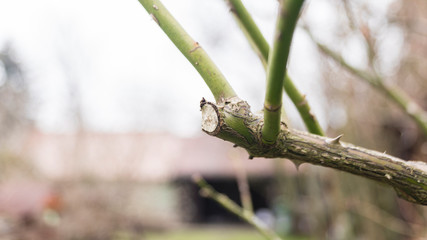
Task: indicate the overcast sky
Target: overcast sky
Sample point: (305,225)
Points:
(111,61)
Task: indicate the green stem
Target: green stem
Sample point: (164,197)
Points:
(191,49)
(303,108)
(242,181)
(339,59)
(207,190)
(260,44)
(250,29)
(276,70)
(408,105)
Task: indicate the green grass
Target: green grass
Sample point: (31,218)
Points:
(209,233)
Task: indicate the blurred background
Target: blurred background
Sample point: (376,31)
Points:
(100,122)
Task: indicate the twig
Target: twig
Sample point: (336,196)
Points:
(260,44)
(208,191)
(250,29)
(394,93)
(276,70)
(387,220)
(303,107)
(191,49)
(349,14)
(242,181)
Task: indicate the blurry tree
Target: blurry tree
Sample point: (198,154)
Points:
(14,97)
(14,118)
(390,128)
(368,206)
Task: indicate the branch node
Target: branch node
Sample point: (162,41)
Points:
(234,123)
(270,108)
(196,46)
(303,100)
(204,192)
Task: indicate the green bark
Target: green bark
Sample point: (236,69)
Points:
(258,42)
(276,70)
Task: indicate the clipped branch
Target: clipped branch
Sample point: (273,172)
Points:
(234,122)
(191,49)
(208,191)
(260,44)
(394,93)
(276,70)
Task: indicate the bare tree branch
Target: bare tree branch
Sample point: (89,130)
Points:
(394,93)
(235,122)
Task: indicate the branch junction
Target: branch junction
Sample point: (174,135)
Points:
(233,121)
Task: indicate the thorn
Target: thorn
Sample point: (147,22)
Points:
(251,157)
(297,163)
(335,140)
(303,101)
(311,115)
(155,7)
(235,145)
(385,152)
(154,18)
(282,122)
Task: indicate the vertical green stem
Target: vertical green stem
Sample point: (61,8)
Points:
(276,70)
(260,44)
(303,108)
(250,29)
(191,49)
